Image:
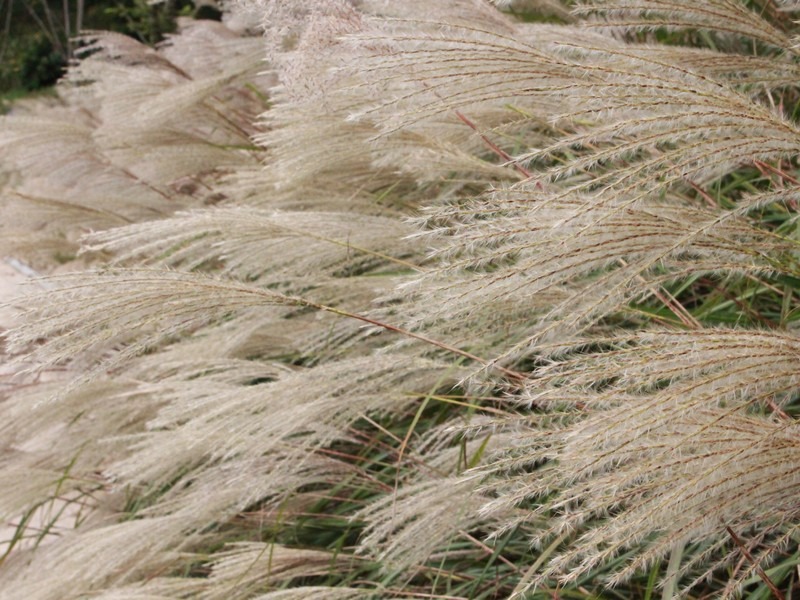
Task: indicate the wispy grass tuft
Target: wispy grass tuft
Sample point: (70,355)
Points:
(438,302)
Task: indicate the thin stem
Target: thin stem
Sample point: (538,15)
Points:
(67,31)
(417,336)
(494,147)
(761,573)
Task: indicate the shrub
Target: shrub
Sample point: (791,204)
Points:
(38,40)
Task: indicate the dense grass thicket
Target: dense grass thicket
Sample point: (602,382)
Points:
(424,299)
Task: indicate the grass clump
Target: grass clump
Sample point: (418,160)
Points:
(448,302)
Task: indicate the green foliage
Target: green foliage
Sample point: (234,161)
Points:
(30,61)
(146,21)
(40,65)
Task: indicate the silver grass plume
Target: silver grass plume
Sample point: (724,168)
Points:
(496,201)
